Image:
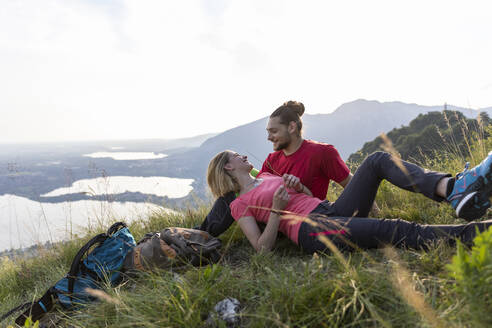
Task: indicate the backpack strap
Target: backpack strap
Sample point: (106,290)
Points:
(75,267)
(146,237)
(17,308)
(115,227)
(161,247)
(36,309)
(137,264)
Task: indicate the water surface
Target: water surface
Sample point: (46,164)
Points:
(160,186)
(25,222)
(126,155)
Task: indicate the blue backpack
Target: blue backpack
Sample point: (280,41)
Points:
(89,269)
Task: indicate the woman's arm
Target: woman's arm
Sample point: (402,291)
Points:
(260,241)
(266,240)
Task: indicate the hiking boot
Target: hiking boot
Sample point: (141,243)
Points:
(472,190)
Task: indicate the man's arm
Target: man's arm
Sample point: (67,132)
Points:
(345,181)
(219,219)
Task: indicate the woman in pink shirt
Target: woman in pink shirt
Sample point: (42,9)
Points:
(284,204)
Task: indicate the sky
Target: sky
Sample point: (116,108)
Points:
(75,70)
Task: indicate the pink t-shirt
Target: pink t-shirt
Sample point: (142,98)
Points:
(258,202)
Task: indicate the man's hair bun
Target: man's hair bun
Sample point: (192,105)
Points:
(290,111)
(296,106)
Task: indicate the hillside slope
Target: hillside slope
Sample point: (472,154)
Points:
(429,135)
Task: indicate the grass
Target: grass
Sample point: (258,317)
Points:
(285,288)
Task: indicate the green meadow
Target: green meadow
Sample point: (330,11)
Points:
(445,286)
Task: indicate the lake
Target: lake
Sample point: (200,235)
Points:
(25,222)
(160,186)
(120,156)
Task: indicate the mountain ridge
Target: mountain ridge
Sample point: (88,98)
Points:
(315,125)
(347,128)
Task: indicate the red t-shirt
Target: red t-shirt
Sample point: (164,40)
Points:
(258,201)
(314,163)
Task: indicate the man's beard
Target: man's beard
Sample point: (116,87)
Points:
(284,144)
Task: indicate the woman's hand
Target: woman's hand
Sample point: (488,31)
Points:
(292,182)
(280,198)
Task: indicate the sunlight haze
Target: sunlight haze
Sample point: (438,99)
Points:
(90,70)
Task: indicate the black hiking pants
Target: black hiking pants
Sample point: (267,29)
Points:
(345,221)
(358,196)
(349,233)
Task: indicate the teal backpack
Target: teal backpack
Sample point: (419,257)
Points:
(89,269)
(110,256)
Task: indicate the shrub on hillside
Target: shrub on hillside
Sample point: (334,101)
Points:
(430,136)
(472,271)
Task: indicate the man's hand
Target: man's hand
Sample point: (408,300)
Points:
(375,211)
(293,182)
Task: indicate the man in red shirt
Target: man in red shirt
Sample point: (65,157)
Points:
(314,163)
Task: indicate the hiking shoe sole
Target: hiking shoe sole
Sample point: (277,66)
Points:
(474,205)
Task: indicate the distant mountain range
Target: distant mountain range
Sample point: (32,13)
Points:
(167,146)
(347,128)
(31,170)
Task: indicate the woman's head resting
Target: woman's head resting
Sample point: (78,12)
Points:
(285,124)
(223,170)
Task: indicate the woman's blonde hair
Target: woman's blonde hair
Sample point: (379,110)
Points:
(219,181)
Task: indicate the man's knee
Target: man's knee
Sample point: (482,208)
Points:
(376,156)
